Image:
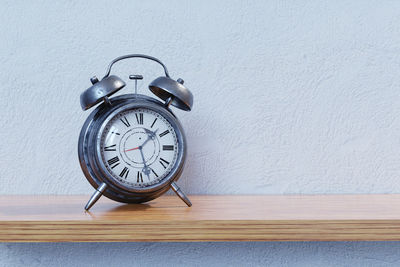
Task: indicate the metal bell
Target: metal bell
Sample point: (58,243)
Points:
(100,89)
(165,88)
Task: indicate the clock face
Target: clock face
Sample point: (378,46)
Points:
(139,147)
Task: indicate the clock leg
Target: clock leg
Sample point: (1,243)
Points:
(96,195)
(180,194)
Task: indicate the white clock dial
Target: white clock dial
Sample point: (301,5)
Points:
(139,147)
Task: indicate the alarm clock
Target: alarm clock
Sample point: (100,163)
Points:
(132,148)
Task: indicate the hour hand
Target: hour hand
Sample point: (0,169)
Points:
(150,133)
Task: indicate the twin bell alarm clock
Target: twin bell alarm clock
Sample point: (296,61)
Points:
(132,148)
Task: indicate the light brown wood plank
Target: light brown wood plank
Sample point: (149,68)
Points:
(211,218)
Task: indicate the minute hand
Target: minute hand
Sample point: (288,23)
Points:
(145,169)
(150,134)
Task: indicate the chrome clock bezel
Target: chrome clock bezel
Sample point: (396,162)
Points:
(89,149)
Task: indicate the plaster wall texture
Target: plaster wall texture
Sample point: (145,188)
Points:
(291,97)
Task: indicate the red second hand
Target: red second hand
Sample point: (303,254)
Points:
(132,149)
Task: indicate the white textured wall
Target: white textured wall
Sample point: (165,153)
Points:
(290,97)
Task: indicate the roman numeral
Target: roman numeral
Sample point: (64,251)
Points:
(114,162)
(164,133)
(124,173)
(153,123)
(163,161)
(110,148)
(139,177)
(154,172)
(125,121)
(139,118)
(167,147)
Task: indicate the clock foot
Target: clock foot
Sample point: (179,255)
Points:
(96,195)
(180,194)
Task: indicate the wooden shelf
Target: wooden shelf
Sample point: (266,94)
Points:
(212,218)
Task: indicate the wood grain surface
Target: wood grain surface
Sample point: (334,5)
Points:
(211,218)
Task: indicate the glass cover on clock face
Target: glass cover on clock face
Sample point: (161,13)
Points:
(139,147)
